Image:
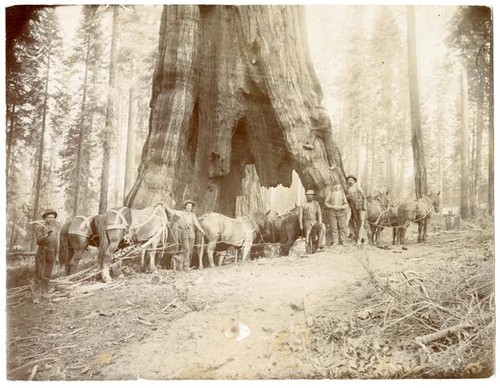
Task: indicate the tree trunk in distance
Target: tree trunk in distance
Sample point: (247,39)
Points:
(419,166)
(234,85)
(108,129)
(130,155)
(41,148)
(464,152)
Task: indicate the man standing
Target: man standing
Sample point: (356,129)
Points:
(357,200)
(336,202)
(47,240)
(311,222)
(184,223)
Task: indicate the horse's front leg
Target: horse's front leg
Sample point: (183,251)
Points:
(245,251)
(420,228)
(210,253)
(424,230)
(73,263)
(106,262)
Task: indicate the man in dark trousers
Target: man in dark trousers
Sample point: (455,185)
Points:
(311,222)
(184,224)
(357,199)
(47,240)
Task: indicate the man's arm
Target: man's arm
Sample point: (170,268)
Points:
(345,204)
(301,213)
(197,224)
(41,235)
(328,203)
(318,212)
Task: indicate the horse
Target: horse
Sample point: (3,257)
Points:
(284,229)
(375,208)
(132,226)
(418,211)
(76,235)
(240,232)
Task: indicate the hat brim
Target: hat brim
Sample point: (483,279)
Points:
(189,202)
(47,213)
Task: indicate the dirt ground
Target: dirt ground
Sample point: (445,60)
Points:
(183,325)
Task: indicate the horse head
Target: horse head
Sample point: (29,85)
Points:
(435,200)
(382,198)
(263,222)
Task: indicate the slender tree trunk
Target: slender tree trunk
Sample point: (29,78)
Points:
(13,233)
(476,200)
(41,147)
(79,158)
(440,142)
(373,153)
(491,175)
(130,159)
(10,141)
(419,166)
(234,85)
(103,199)
(464,151)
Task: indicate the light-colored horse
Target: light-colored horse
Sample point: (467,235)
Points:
(239,232)
(418,211)
(132,226)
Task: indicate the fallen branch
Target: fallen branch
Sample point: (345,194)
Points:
(33,373)
(441,333)
(28,364)
(168,305)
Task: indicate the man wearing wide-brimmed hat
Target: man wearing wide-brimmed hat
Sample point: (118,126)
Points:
(357,200)
(311,222)
(47,240)
(183,227)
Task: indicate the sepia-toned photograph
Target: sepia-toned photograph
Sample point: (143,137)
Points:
(249,192)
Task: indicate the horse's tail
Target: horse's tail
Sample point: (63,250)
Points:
(65,249)
(100,223)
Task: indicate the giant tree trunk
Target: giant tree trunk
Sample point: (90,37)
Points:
(251,200)
(234,85)
(420,172)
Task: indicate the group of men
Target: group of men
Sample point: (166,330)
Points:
(338,205)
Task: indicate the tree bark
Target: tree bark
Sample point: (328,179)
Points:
(41,147)
(130,158)
(234,85)
(491,150)
(419,166)
(464,151)
(108,129)
(251,200)
(10,142)
(81,133)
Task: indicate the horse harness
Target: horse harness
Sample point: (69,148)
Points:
(85,229)
(131,229)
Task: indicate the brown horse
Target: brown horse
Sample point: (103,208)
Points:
(418,211)
(284,229)
(76,235)
(240,232)
(132,226)
(375,208)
